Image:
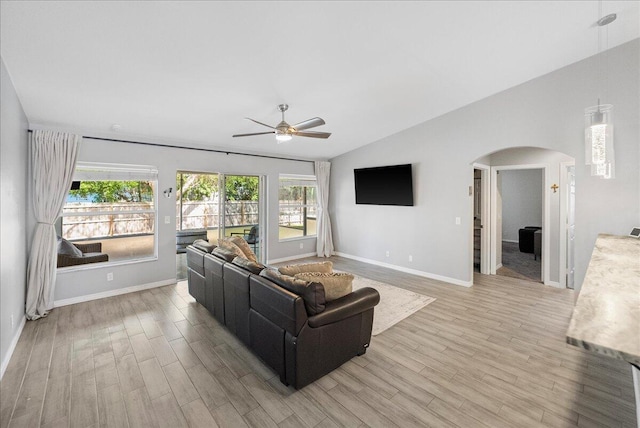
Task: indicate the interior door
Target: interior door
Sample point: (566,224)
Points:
(570,222)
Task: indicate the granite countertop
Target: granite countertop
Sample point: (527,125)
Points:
(606,318)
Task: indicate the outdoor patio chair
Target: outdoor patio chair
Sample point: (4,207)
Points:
(252,236)
(91,253)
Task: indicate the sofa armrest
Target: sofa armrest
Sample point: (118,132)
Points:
(94,247)
(352,304)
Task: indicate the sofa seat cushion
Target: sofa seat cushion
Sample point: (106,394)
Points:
(335,284)
(251,266)
(292,270)
(312,293)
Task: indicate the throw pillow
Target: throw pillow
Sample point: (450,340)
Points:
(312,293)
(224,254)
(335,285)
(67,248)
(249,265)
(231,246)
(203,245)
(291,270)
(244,246)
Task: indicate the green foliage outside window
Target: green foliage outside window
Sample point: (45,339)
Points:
(202,187)
(114,191)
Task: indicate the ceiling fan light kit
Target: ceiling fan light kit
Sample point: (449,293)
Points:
(285,132)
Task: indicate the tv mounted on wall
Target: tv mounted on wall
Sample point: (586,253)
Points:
(384,185)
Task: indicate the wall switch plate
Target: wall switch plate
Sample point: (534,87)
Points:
(458,221)
(110,276)
(12,323)
(167,219)
(410,258)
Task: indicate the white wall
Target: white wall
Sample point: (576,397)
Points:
(547,112)
(13,215)
(521,201)
(75,284)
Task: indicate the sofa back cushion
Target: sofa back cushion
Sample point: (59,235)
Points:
(311,292)
(238,246)
(203,245)
(251,266)
(336,284)
(291,270)
(244,247)
(224,253)
(229,245)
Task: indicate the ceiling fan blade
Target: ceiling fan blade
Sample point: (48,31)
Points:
(260,123)
(254,133)
(312,134)
(310,123)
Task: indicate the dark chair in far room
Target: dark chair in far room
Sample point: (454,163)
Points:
(79,254)
(251,236)
(526,239)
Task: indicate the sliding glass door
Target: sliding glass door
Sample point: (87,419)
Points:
(242,210)
(219,205)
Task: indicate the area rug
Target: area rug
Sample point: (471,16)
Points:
(395,303)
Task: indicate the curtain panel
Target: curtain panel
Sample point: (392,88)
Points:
(324,241)
(53,159)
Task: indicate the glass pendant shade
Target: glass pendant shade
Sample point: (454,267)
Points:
(599,140)
(281,138)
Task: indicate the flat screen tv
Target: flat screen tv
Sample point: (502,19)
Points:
(384,185)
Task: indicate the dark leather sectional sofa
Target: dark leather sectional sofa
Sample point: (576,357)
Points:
(274,322)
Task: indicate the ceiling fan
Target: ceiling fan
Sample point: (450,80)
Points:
(284,131)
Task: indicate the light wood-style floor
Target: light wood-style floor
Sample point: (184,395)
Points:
(493,355)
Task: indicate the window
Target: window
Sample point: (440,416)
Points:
(298,206)
(114,205)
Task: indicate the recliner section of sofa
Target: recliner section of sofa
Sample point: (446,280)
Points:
(273,322)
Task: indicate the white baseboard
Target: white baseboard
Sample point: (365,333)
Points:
(511,240)
(498,266)
(12,347)
(288,259)
(110,293)
(408,270)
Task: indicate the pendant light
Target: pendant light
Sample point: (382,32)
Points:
(599,122)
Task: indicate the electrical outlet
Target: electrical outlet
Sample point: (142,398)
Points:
(458,221)
(410,258)
(110,276)
(167,219)
(387,253)
(301,245)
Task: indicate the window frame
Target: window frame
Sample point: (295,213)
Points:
(98,171)
(302,179)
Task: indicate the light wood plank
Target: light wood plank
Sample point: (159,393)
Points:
(140,411)
(168,412)
(180,383)
(111,409)
(198,416)
(84,401)
(154,378)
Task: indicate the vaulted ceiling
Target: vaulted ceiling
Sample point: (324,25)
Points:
(189,72)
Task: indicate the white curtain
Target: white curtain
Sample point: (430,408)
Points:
(324,245)
(53,159)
